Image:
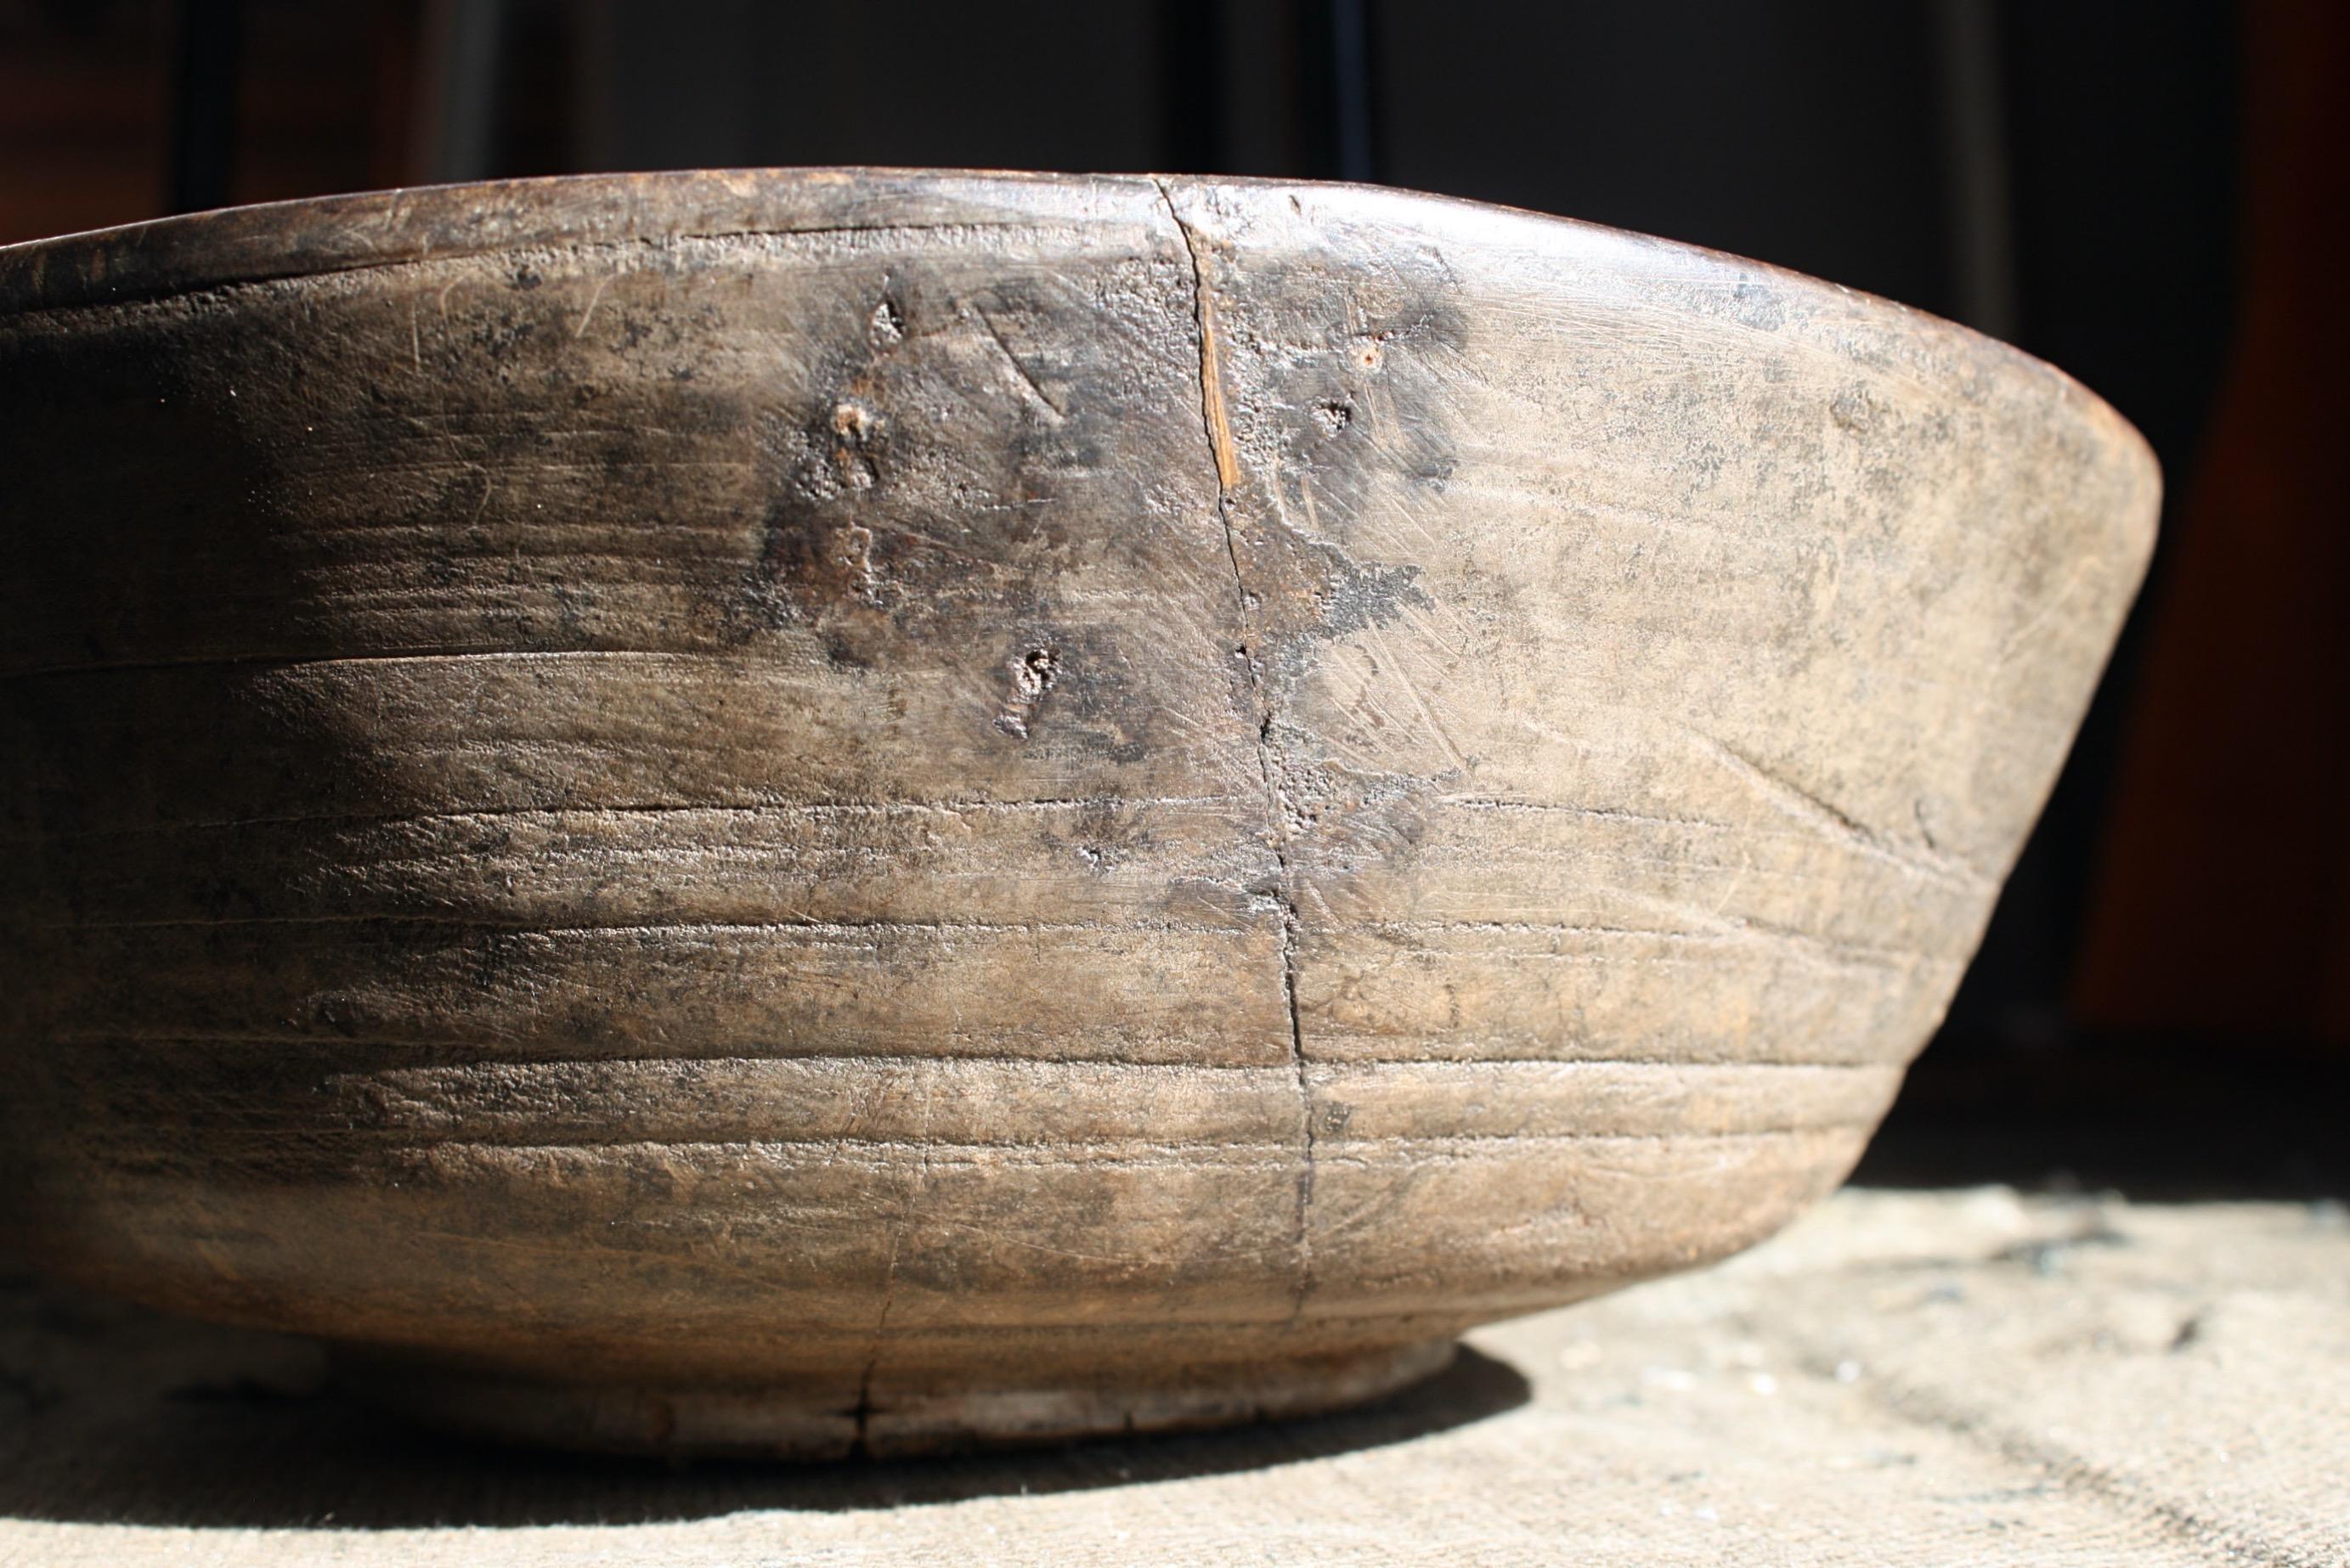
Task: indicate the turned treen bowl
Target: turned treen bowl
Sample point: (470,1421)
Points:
(802,812)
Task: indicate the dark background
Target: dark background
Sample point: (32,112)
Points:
(2148,192)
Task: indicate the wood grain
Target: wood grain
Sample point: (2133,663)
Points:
(905,801)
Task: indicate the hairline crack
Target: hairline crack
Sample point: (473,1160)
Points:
(1216,427)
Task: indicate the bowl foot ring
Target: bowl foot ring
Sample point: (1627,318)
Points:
(902,1415)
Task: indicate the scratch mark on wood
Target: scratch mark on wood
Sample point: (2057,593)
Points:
(1020,374)
(589,314)
(1830,822)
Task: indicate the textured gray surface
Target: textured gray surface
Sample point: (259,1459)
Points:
(1965,1377)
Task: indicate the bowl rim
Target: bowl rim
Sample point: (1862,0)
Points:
(350,231)
(310,236)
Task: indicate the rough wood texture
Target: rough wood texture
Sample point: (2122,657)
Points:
(804,811)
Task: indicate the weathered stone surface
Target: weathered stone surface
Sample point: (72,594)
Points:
(956,793)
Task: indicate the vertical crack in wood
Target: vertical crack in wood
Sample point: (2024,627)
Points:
(860,1444)
(1216,425)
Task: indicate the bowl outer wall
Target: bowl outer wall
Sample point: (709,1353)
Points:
(848,775)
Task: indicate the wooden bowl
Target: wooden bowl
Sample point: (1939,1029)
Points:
(815,811)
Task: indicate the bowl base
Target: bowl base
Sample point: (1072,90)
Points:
(810,1421)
